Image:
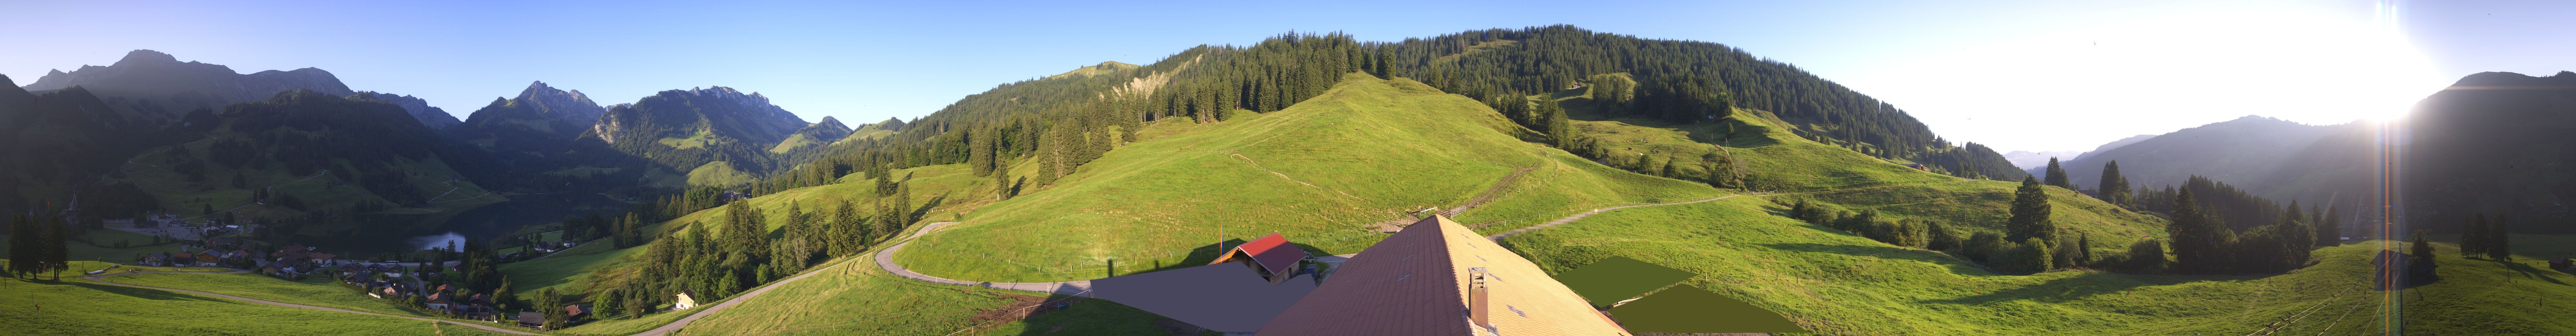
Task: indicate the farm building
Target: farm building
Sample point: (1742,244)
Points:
(1271,257)
(1417,281)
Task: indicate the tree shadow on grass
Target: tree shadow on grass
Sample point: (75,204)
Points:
(2532,272)
(1198,256)
(2079,287)
(139,293)
(1956,265)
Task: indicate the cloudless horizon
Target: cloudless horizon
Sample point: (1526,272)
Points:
(2031,76)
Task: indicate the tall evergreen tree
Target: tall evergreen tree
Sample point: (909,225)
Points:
(2057,175)
(2499,245)
(22,242)
(53,254)
(2473,235)
(2330,227)
(2114,187)
(2199,239)
(2030,214)
(2423,249)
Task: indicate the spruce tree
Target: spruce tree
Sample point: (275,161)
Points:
(53,255)
(2057,176)
(2030,214)
(2473,235)
(2114,187)
(503,298)
(2423,249)
(22,242)
(2330,227)
(2499,245)
(2199,238)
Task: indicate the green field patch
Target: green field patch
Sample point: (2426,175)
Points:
(1618,278)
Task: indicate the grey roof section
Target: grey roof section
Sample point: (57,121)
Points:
(1222,297)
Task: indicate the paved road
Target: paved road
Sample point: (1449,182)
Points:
(290,305)
(885,260)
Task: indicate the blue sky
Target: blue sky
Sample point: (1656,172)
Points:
(2015,75)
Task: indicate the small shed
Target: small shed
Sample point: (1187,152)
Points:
(1271,256)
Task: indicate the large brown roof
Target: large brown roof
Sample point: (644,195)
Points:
(1415,283)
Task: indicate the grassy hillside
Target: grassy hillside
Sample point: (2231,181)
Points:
(1836,282)
(318,291)
(866,300)
(1320,172)
(81,307)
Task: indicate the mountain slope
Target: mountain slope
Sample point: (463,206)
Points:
(431,116)
(683,130)
(2494,142)
(1319,172)
(2245,152)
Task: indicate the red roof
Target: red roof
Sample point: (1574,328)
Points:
(1272,252)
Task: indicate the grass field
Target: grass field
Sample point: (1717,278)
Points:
(79,251)
(320,292)
(865,300)
(1369,150)
(81,307)
(1838,283)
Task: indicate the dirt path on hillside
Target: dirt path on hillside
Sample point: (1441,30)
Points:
(1579,216)
(885,260)
(98,279)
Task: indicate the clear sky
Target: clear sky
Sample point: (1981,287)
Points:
(2040,75)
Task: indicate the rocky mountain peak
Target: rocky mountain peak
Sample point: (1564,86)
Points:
(145,56)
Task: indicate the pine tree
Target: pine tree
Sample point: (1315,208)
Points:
(2057,176)
(2199,239)
(2114,187)
(2030,214)
(2330,227)
(846,233)
(2473,233)
(54,254)
(2423,249)
(22,242)
(2499,244)
(551,304)
(1001,185)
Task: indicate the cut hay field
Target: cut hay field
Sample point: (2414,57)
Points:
(865,300)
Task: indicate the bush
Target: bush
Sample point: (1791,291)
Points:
(1982,246)
(2145,256)
(2029,256)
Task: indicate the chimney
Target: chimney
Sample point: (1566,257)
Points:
(1478,308)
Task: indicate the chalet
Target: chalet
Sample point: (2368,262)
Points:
(155,259)
(2562,264)
(1271,257)
(1416,282)
(573,312)
(325,260)
(684,300)
(438,301)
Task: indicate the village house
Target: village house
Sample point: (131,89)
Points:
(684,300)
(438,301)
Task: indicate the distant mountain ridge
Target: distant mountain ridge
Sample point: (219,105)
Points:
(2244,152)
(156,84)
(420,110)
